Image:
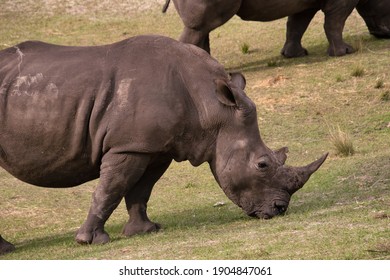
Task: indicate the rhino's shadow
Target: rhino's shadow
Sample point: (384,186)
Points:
(317,54)
(191,218)
(185,219)
(47,242)
(201,216)
(276,61)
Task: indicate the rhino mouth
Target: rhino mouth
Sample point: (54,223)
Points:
(260,215)
(277,208)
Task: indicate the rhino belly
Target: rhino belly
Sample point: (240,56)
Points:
(272,10)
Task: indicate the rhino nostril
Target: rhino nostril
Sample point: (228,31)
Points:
(280,208)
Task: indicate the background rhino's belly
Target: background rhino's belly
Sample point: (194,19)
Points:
(46,128)
(265,10)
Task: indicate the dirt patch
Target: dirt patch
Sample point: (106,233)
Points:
(270,82)
(81,7)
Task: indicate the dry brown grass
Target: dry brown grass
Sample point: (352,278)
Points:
(342,142)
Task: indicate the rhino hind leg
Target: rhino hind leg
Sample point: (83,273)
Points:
(340,49)
(199,38)
(138,197)
(296,26)
(139,222)
(334,26)
(119,173)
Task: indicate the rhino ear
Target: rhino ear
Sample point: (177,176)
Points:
(281,155)
(238,80)
(225,94)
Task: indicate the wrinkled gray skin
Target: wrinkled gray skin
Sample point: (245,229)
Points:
(122,113)
(200,17)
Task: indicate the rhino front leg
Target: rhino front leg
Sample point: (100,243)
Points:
(296,27)
(119,173)
(138,197)
(334,26)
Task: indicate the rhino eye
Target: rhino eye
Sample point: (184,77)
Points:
(262,165)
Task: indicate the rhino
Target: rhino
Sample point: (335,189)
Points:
(122,113)
(200,17)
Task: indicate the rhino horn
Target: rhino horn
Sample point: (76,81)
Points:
(302,174)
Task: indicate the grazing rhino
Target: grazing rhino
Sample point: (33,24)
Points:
(122,113)
(200,17)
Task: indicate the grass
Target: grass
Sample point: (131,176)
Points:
(341,213)
(358,71)
(379,84)
(244,48)
(385,96)
(342,142)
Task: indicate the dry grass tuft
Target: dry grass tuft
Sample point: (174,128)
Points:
(342,142)
(358,71)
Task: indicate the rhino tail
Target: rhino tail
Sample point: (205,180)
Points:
(166,5)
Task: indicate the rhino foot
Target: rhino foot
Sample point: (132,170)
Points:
(95,237)
(133,228)
(5,246)
(291,50)
(341,50)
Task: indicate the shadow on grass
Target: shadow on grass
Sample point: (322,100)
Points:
(51,246)
(29,246)
(317,54)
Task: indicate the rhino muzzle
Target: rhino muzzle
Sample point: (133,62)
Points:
(278,207)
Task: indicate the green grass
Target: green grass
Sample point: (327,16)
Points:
(244,48)
(341,213)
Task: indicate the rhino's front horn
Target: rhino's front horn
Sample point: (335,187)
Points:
(303,173)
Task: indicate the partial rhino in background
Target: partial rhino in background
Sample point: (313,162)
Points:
(122,113)
(200,17)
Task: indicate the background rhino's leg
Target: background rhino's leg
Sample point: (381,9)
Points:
(202,17)
(198,38)
(296,27)
(118,174)
(5,246)
(138,197)
(334,26)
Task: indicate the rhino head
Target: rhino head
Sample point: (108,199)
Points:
(253,176)
(376,14)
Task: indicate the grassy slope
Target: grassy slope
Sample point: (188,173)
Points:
(343,211)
